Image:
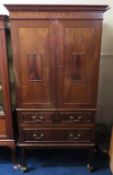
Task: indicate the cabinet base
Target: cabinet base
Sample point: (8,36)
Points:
(23,165)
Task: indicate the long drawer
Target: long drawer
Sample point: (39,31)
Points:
(58,135)
(56,117)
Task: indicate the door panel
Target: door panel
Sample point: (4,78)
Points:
(35,77)
(77,81)
(56,63)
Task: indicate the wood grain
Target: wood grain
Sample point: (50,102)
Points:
(6,126)
(57,109)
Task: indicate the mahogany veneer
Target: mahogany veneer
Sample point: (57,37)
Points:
(56,54)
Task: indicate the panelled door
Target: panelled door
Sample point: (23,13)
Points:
(57,65)
(34,63)
(77,63)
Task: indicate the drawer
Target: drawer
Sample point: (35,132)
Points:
(50,135)
(78,117)
(37,117)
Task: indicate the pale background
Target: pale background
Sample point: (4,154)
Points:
(105,92)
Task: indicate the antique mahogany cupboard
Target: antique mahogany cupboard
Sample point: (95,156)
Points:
(6,131)
(56,52)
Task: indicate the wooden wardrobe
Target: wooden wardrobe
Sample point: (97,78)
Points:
(56,54)
(6,126)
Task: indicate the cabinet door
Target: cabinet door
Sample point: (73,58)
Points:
(33,44)
(77,63)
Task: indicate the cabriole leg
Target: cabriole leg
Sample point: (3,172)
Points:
(90,164)
(23,166)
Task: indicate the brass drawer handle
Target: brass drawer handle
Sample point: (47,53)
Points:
(79,117)
(37,118)
(75,120)
(74,137)
(34,117)
(71,117)
(41,117)
(41,136)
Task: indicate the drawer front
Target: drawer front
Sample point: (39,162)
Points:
(78,117)
(37,117)
(73,135)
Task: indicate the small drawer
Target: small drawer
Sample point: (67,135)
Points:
(49,135)
(78,117)
(38,117)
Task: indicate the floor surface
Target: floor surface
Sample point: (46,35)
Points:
(55,162)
